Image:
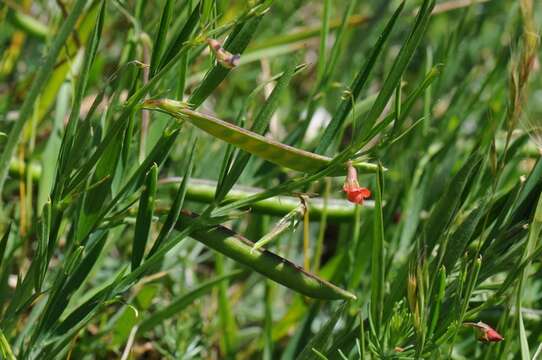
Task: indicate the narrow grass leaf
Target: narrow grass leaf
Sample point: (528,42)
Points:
(5,348)
(183,301)
(37,85)
(459,240)
(3,245)
(355,89)
(160,37)
(377,257)
(68,140)
(144,217)
(228,324)
(260,124)
(533,240)
(177,43)
(394,76)
(236,44)
(322,339)
(446,208)
(175,210)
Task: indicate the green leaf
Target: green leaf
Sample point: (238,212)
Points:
(459,240)
(448,205)
(399,66)
(260,124)
(377,258)
(160,38)
(175,210)
(321,341)
(68,141)
(176,44)
(98,191)
(438,300)
(43,74)
(535,229)
(5,348)
(144,217)
(228,325)
(45,246)
(52,149)
(3,245)
(355,89)
(124,324)
(183,301)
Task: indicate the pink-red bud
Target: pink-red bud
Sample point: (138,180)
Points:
(485,332)
(354,192)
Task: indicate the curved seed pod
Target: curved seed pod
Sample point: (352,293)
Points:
(256,144)
(270,265)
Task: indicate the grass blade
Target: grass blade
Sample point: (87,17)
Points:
(178,202)
(377,258)
(183,301)
(160,38)
(261,122)
(144,217)
(37,85)
(361,79)
(397,70)
(240,37)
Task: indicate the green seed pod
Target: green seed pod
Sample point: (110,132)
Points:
(251,142)
(270,265)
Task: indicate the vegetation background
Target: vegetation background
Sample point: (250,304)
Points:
(135,180)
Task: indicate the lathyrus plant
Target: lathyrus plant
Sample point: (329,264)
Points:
(265,179)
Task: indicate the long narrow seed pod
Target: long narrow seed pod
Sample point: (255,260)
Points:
(270,265)
(256,144)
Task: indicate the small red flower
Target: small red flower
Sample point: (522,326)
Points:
(354,192)
(485,332)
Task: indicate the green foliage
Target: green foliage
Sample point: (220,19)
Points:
(139,169)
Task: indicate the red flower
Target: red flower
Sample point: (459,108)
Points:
(485,332)
(354,192)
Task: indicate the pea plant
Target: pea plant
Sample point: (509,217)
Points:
(209,179)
